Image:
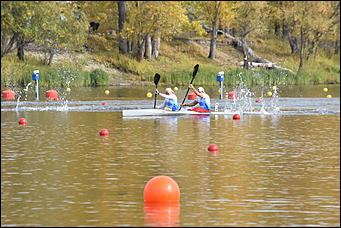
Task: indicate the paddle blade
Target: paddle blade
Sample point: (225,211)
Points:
(156,79)
(195,70)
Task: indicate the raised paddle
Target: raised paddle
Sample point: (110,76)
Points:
(156,81)
(195,71)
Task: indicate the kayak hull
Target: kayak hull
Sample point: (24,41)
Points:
(161,112)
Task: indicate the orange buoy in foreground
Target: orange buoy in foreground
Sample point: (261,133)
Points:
(22,121)
(213,147)
(104,132)
(161,189)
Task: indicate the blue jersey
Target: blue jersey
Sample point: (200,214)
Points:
(171,102)
(204,102)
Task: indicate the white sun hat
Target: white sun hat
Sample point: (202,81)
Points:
(169,90)
(200,89)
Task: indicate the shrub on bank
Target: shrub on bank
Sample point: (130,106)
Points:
(98,77)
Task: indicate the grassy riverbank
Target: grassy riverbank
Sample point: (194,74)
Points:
(175,65)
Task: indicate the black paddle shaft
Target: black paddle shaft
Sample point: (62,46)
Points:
(156,81)
(195,71)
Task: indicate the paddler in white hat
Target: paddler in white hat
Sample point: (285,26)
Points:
(202,99)
(171,101)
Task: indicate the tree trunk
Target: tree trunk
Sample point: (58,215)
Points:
(123,48)
(8,47)
(20,49)
(51,54)
(301,50)
(213,43)
(293,41)
(148,47)
(285,31)
(155,46)
(240,46)
(276,29)
(140,50)
(245,64)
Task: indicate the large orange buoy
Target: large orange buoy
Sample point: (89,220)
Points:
(161,214)
(161,189)
(192,96)
(213,147)
(230,95)
(22,121)
(52,94)
(8,94)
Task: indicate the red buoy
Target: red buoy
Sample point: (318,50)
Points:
(192,96)
(230,95)
(213,147)
(258,101)
(104,103)
(22,121)
(236,117)
(8,94)
(52,94)
(161,189)
(104,132)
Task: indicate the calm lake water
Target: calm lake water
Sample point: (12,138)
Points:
(271,170)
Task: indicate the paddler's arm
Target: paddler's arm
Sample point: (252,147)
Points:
(195,91)
(192,104)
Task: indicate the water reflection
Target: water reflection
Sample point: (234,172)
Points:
(162,214)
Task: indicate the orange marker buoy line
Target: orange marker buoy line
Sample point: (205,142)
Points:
(161,189)
(213,147)
(258,101)
(104,132)
(8,94)
(52,95)
(104,103)
(22,121)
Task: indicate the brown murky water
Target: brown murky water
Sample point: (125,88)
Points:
(276,170)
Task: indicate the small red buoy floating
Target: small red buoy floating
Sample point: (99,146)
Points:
(8,94)
(104,103)
(192,96)
(52,95)
(104,132)
(161,189)
(236,117)
(213,147)
(258,101)
(22,121)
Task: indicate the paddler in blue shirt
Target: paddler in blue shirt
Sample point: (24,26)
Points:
(171,101)
(202,99)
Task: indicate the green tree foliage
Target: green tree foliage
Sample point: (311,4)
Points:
(249,18)
(52,24)
(216,14)
(158,19)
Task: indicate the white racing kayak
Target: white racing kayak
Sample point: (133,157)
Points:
(161,112)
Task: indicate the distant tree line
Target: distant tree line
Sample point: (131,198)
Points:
(140,26)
